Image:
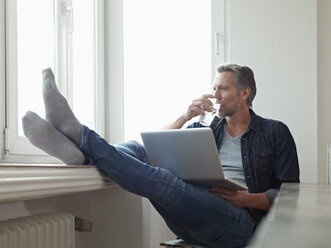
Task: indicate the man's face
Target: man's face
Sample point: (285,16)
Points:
(227,94)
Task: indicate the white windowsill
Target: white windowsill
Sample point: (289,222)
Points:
(27,181)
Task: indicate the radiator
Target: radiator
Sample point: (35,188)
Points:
(56,230)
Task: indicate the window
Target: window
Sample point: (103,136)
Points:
(171,49)
(159,55)
(63,35)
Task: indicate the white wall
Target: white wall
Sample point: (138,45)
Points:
(115,213)
(277,39)
(324,85)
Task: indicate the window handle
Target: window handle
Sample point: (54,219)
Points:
(218,39)
(68,10)
(217,47)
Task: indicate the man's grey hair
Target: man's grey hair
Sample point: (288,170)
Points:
(243,78)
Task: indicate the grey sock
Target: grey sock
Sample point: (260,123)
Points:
(44,136)
(58,111)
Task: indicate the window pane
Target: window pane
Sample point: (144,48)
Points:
(167,60)
(35,51)
(83,62)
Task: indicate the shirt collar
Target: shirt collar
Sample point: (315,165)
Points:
(254,124)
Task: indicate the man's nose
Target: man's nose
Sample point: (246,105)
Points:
(217,94)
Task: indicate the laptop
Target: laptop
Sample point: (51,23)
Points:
(190,154)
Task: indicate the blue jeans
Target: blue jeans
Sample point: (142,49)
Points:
(190,211)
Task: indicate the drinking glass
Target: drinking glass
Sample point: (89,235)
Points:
(209,116)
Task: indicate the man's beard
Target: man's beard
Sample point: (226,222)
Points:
(225,112)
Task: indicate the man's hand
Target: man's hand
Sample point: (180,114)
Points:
(241,199)
(198,106)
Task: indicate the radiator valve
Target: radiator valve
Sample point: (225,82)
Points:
(83,225)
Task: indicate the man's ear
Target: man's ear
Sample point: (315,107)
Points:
(245,93)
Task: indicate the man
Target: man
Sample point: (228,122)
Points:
(260,153)
(214,217)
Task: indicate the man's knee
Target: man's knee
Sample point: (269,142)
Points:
(134,149)
(135,145)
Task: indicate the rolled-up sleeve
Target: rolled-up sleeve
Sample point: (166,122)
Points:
(271,194)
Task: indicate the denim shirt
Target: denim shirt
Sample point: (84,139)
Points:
(269,155)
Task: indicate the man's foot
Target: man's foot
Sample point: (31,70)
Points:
(44,136)
(57,109)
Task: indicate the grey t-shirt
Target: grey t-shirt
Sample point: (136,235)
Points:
(230,156)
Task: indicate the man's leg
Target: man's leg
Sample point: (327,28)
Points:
(208,218)
(43,135)
(177,228)
(137,151)
(57,109)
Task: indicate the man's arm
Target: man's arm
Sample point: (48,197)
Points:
(177,124)
(286,169)
(196,108)
(286,165)
(241,199)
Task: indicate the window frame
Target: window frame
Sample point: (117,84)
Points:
(219,41)
(108,73)
(219,33)
(15,148)
(2,70)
